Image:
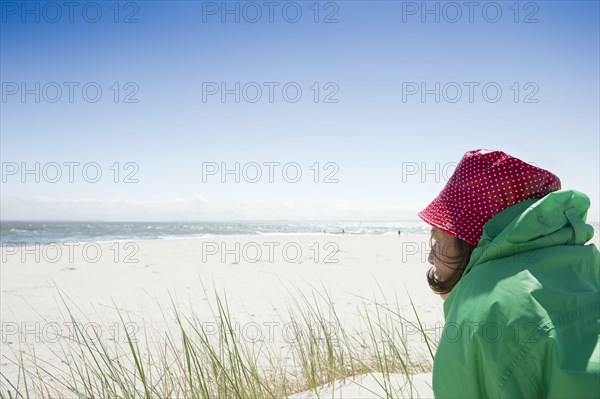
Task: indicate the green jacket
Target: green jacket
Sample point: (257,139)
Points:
(524,320)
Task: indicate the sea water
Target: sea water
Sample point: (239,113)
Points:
(46,232)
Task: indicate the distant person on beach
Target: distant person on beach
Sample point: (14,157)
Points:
(521,288)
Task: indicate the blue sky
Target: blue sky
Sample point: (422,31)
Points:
(354,67)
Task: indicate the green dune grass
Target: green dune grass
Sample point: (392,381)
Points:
(194,362)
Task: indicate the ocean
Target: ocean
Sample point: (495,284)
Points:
(46,232)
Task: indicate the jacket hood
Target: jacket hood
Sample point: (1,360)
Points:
(556,219)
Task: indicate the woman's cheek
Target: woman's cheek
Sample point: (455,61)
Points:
(439,272)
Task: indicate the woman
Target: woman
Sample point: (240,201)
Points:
(521,288)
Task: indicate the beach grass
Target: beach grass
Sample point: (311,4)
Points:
(196,359)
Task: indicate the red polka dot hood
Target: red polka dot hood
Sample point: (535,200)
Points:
(483,184)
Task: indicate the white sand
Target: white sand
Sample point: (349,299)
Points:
(256,291)
(371,386)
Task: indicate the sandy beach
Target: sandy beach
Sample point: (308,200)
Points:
(258,274)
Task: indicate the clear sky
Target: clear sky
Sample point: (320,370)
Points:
(345,88)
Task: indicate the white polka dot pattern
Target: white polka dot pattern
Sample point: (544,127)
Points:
(484,183)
